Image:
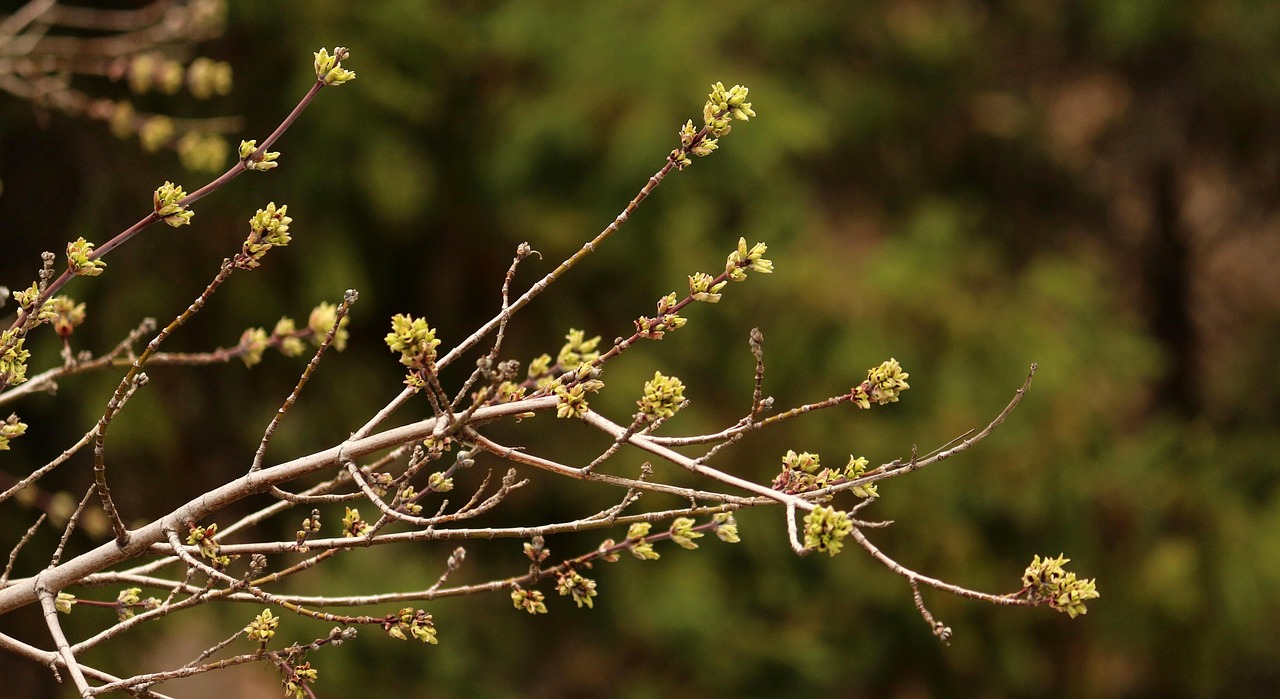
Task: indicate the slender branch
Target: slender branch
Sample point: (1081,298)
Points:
(40,472)
(52,659)
(49,606)
(13,554)
(564,267)
(72,521)
(1007,600)
(348,298)
(195,196)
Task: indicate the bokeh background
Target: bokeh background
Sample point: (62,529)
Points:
(967,186)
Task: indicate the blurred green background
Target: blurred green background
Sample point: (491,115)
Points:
(967,186)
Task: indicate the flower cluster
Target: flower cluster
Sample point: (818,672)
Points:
(287,333)
(667,319)
(703,287)
(532,601)
(663,396)
(156,132)
(204,77)
(288,339)
(151,70)
(582,589)
(263,627)
(576,352)
(129,598)
(329,69)
(414,340)
(268,228)
(571,402)
(296,683)
(166,201)
(13,358)
(825,529)
(253,342)
(66,314)
(11,428)
(353,525)
(310,525)
(1047,580)
(411,622)
(407,499)
(742,259)
(883,385)
(536,550)
(804,472)
(439,482)
(721,108)
(203,537)
(253,160)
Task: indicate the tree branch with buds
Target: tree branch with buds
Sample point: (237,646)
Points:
(433,479)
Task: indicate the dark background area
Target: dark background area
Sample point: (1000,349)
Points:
(967,186)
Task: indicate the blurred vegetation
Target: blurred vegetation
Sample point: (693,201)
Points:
(969,187)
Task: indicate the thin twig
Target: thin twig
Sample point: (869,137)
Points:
(348,298)
(13,554)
